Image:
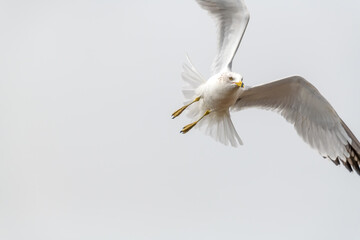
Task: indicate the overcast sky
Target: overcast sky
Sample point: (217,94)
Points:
(89,150)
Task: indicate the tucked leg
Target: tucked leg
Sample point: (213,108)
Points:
(191,125)
(179,111)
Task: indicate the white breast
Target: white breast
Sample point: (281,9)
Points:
(219,95)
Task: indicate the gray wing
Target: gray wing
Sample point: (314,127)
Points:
(314,119)
(231,18)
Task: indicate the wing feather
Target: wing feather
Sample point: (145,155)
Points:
(231,18)
(314,119)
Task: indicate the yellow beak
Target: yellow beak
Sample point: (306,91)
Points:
(240,84)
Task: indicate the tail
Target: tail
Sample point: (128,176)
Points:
(219,126)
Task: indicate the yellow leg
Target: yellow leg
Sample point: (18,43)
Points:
(191,125)
(179,111)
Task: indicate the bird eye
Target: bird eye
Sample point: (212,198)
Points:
(231,78)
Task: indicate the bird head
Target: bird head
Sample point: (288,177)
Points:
(234,79)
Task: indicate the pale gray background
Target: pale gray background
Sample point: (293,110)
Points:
(88,148)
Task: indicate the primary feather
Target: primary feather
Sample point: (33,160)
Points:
(314,119)
(231,18)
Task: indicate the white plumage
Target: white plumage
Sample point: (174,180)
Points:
(298,101)
(231,18)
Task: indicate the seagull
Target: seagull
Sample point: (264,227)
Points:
(297,100)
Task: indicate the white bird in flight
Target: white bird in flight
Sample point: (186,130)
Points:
(297,100)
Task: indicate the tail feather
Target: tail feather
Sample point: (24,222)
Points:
(219,126)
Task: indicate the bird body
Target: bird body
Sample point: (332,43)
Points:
(296,99)
(221,91)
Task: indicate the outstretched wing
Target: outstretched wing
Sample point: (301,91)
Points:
(314,119)
(231,17)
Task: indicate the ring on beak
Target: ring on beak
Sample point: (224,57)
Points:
(240,84)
